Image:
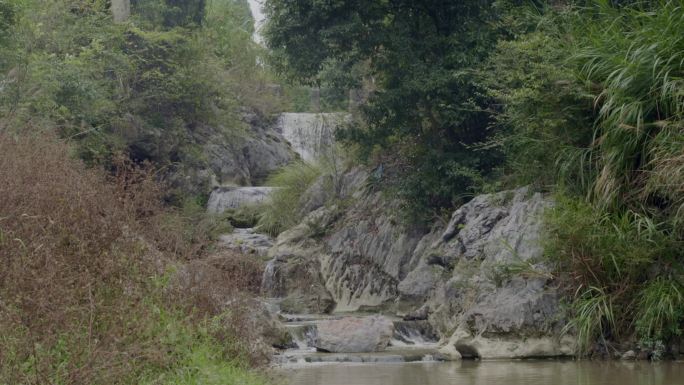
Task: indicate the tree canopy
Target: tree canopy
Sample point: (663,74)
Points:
(427,113)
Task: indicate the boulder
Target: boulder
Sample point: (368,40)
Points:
(509,346)
(224,198)
(296,279)
(355,334)
(481,273)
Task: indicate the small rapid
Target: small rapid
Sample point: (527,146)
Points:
(410,341)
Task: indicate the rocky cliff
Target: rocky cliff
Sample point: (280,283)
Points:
(243,158)
(478,279)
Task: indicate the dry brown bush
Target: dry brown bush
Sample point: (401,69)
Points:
(223,286)
(77,249)
(67,243)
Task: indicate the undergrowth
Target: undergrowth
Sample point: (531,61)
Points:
(619,264)
(84,295)
(284,207)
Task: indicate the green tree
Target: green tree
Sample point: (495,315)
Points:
(427,113)
(171,13)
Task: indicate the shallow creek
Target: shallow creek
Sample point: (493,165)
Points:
(485,373)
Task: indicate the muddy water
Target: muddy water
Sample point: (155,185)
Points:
(487,373)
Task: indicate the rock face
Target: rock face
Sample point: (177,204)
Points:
(250,159)
(354,334)
(479,280)
(229,157)
(224,198)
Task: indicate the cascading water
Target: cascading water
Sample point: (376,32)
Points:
(412,341)
(257,8)
(310,134)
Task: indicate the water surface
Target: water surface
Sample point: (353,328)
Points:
(488,373)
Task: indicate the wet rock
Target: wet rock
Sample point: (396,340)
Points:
(629,355)
(419,314)
(510,346)
(354,334)
(414,333)
(246,241)
(297,280)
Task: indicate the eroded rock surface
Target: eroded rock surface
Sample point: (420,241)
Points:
(224,198)
(479,279)
(226,156)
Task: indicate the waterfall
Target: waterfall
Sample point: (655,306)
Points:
(310,135)
(257,8)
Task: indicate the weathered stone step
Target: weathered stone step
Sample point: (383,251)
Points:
(390,355)
(356,334)
(224,198)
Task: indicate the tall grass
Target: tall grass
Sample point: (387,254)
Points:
(660,310)
(593,317)
(624,229)
(284,208)
(609,258)
(633,57)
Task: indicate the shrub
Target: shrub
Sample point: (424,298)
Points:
(284,208)
(660,310)
(608,257)
(593,317)
(82,283)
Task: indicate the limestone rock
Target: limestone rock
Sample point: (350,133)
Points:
(224,198)
(355,334)
(224,156)
(482,273)
(510,346)
(296,279)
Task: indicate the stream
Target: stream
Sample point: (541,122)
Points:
(486,373)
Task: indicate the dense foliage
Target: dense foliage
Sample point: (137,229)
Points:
(426,113)
(154,88)
(88,246)
(84,288)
